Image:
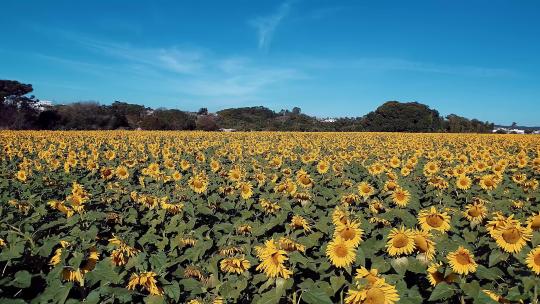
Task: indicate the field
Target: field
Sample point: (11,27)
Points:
(201,217)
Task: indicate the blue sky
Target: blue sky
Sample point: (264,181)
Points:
(331,58)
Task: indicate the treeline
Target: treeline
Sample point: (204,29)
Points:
(18,110)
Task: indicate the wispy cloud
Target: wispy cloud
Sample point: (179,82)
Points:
(267,25)
(195,72)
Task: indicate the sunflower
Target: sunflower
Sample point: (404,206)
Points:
(340,216)
(21,175)
(349,232)
(511,237)
(463,182)
(304,179)
(147,281)
(365,190)
(198,183)
(489,182)
(323,166)
(533,260)
(370,275)
(378,292)
(534,221)
(246,190)
(434,220)
(424,244)
(499,221)
(435,276)
(400,241)
(299,222)
(122,172)
(234,265)
(272,260)
(461,261)
(235,174)
(340,252)
(475,212)
(401,197)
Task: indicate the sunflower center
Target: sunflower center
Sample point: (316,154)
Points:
(511,235)
(463,258)
(537,259)
(434,220)
(421,243)
(275,258)
(347,234)
(474,211)
(197,183)
(463,182)
(341,251)
(400,196)
(305,180)
(535,224)
(375,296)
(400,241)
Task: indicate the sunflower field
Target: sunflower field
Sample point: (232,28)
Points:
(268,217)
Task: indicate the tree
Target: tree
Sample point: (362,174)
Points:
(163,119)
(202,111)
(394,116)
(207,123)
(17,111)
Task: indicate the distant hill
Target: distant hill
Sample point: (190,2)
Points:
(18,111)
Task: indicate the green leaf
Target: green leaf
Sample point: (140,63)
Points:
(488,273)
(23,279)
(316,296)
(441,292)
(172,291)
(268,297)
(337,283)
(497,256)
(104,272)
(471,289)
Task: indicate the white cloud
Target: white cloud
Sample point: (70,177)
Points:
(267,25)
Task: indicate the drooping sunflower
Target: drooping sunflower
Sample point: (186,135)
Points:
(340,216)
(435,276)
(424,244)
(401,197)
(350,232)
(234,265)
(511,237)
(340,252)
(371,275)
(377,292)
(432,219)
(299,222)
(400,241)
(533,260)
(272,260)
(462,261)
